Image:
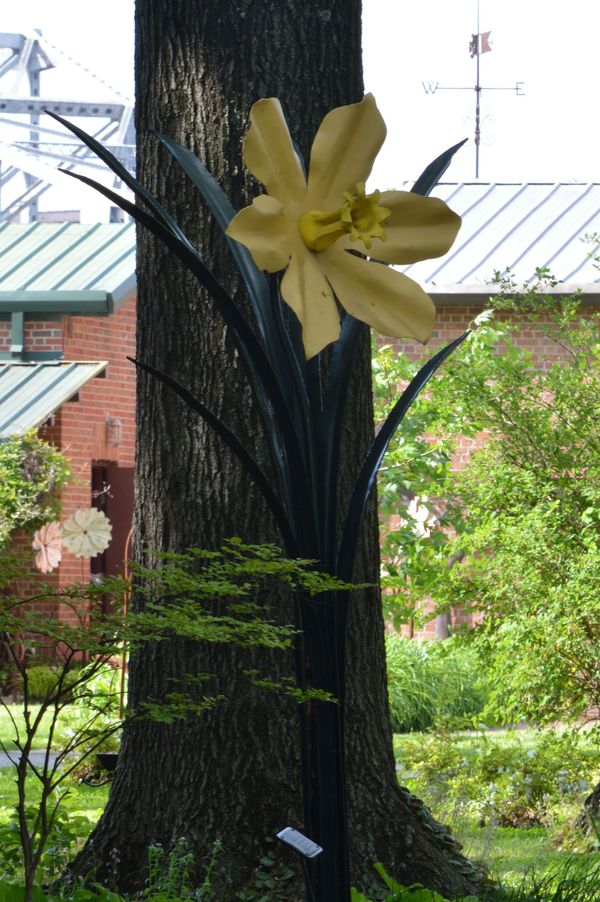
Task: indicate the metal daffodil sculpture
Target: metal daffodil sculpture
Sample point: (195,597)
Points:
(308,226)
(333,241)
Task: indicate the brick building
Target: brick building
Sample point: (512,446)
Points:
(67,325)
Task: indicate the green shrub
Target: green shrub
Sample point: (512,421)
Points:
(428,681)
(43,679)
(66,837)
(499,779)
(33,473)
(528,542)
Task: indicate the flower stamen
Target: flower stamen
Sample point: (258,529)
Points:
(360,217)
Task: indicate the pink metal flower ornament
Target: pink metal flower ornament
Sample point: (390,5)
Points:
(47,542)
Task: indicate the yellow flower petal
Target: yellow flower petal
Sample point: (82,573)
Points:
(345,146)
(419,228)
(266,231)
(270,156)
(387,300)
(305,289)
(295,224)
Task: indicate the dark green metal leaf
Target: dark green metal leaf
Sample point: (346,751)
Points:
(368,471)
(234,444)
(290,464)
(290,335)
(117,167)
(275,339)
(182,248)
(334,405)
(433,173)
(221,208)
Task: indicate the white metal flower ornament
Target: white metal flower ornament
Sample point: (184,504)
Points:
(87,532)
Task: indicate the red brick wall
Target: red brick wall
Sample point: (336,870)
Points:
(83,424)
(39,335)
(79,427)
(452,321)
(5,328)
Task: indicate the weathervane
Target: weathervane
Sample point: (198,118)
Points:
(480,43)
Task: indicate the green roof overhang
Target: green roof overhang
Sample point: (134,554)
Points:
(74,303)
(31,392)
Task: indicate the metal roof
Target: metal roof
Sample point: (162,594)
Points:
(59,265)
(30,393)
(518,226)
(70,267)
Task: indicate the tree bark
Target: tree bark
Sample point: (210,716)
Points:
(234,774)
(588,818)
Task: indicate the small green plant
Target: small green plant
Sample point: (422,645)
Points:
(178,598)
(170,873)
(270,880)
(37,812)
(398,893)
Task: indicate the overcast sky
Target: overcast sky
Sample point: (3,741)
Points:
(549,133)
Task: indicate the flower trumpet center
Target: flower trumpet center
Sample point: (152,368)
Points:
(360,217)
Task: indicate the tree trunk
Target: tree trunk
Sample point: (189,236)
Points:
(588,820)
(234,774)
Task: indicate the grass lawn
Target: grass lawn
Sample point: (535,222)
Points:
(78,814)
(88,800)
(507,852)
(7,728)
(510,852)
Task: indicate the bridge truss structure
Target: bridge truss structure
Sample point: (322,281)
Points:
(32,146)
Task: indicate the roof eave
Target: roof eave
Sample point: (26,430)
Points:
(78,303)
(28,401)
(124,292)
(478,295)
